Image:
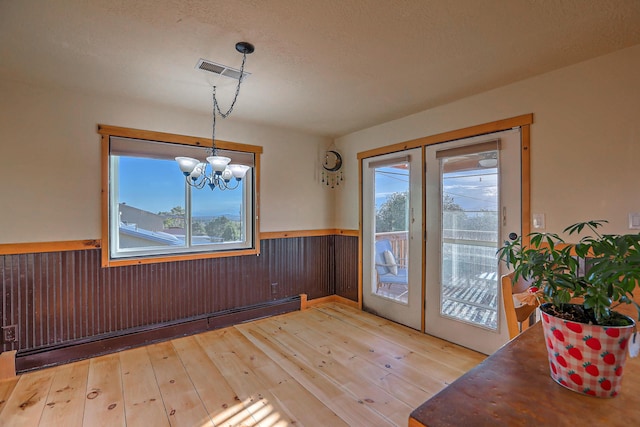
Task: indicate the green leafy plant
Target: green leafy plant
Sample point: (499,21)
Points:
(601,270)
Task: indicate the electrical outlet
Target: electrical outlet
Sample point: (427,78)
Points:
(274,288)
(9,334)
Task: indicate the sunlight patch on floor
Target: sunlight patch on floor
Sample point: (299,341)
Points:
(250,413)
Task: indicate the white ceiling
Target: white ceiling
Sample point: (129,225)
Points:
(327,67)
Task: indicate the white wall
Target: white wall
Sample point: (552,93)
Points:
(585,139)
(50,163)
(586,129)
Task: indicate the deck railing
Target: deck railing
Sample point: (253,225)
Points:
(399,242)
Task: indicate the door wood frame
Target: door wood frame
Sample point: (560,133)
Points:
(524,122)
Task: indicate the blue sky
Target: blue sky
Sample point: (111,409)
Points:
(389,181)
(473,190)
(159,186)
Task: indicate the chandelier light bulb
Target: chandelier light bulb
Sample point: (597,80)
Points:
(187,164)
(227,175)
(239,171)
(218,163)
(197,171)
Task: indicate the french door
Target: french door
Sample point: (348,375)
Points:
(472,203)
(431,225)
(392,236)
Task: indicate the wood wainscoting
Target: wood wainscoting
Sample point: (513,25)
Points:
(329,365)
(59,296)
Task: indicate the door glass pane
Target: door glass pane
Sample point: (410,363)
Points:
(469,271)
(391,250)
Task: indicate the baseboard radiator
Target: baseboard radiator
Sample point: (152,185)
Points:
(130,338)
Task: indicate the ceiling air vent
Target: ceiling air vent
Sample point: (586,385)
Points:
(222,70)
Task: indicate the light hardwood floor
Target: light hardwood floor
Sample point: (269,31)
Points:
(329,365)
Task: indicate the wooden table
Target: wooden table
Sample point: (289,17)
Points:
(513,388)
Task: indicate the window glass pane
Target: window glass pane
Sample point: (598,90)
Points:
(151,204)
(154,212)
(218,216)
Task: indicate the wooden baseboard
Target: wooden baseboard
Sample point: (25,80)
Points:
(333,298)
(7,364)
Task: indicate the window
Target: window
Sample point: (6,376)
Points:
(153,215)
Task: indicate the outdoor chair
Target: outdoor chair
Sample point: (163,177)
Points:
(390,270)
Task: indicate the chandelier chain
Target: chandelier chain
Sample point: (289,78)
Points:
(218,172)
(216,106)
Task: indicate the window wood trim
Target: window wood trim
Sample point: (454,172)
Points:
(491,127)
(106,131)
(176,139)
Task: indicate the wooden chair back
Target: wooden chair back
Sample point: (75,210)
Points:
(517,317)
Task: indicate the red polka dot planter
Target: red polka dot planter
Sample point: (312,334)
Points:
(588,359)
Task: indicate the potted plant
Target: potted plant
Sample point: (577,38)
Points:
(578,286)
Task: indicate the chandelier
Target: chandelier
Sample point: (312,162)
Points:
(217,172)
